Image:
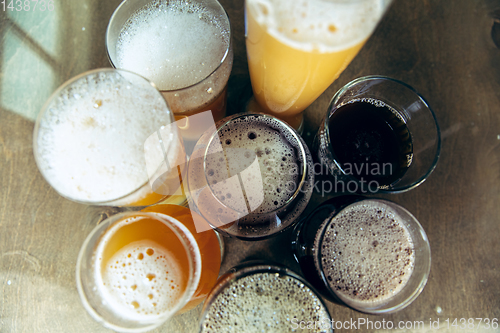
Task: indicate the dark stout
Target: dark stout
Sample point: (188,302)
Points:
(371,141)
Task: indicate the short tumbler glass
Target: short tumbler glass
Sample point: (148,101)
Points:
(380,135)
(367,253)
(137,269)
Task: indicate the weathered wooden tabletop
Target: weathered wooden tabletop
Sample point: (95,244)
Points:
(442,48)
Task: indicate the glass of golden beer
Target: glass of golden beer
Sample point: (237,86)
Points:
(138,269)
(107,137)
(296,49)
(211,247)
(250,176)
(184,47)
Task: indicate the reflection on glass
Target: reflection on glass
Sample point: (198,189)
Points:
(252,177)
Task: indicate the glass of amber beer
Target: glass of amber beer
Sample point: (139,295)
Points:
(107,137)
(184,47)
(138,269)
(296,49)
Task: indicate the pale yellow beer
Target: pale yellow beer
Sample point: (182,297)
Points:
(184,47)
(296,49)
(97,141)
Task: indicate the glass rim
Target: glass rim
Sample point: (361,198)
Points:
(302,152)
(421,231)
(249,268)
(194,272)
(45,108)
(352,83)
(222,60)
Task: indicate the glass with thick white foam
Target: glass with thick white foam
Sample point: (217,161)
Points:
(137,269)
(296,49)
(107,137)
(250,176)
(184,47)
(370,254)
(259,297)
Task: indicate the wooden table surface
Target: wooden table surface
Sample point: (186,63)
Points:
(442,48)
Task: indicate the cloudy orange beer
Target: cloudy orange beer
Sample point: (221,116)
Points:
(137,269)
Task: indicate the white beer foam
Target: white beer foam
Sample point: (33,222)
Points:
(325,26)
(367,252)
(141,281)
(264,302)
(90,140)
(175,44)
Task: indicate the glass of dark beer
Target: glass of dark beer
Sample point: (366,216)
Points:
(264,297)
(250,176)
(379,135)
(367,253)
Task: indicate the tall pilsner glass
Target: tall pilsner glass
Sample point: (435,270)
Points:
(296,49)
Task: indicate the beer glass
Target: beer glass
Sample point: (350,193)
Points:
(379,135)
(296,49)
(261,297)
(368,253)
(184,47)
(250,176)
(107,137)
(138,269)
(211,247)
